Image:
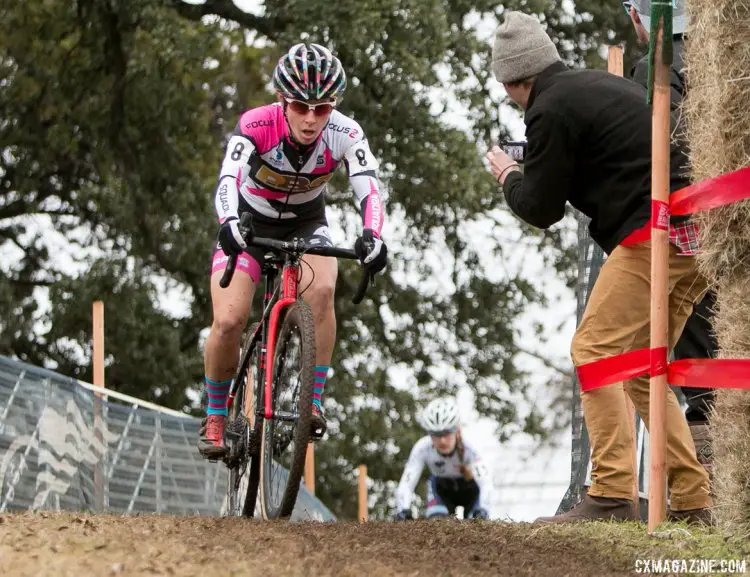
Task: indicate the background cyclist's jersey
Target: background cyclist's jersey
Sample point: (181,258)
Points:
(262,170)
(423,454)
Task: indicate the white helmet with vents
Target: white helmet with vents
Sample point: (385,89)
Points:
(309,72)
(440,416)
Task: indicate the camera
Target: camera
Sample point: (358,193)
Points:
(516,150)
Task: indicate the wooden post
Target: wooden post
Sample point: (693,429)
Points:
(362,493)
(98,351)
(657,501)
(615,66)
(614,60)
(97,354)
(310,468)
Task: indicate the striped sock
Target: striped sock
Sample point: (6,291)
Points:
(321,373)
(217,392)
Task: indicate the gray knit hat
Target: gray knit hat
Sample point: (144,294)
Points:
(522,48)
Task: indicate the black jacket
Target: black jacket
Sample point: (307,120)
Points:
(589,143)
(639,74)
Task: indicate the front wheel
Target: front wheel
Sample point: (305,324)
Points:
(286,435)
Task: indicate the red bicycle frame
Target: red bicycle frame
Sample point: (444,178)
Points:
(290,284)
(289,277)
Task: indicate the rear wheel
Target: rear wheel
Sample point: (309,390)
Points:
(243,437)
(285,437)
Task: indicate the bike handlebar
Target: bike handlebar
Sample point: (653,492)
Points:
(296,247)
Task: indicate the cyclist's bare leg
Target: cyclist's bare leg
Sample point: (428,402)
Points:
(231,307)
(320,298)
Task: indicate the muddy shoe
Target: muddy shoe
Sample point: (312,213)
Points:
(595,509)
(318,424)
(703,448)
(692,516)
(211,444)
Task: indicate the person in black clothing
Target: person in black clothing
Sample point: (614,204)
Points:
(698,340)
(589,144)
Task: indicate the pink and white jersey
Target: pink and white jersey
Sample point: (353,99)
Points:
(264,172)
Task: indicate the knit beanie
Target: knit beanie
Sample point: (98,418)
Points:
(522,48)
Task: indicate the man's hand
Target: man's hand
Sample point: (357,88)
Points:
(500,163)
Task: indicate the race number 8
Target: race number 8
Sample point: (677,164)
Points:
(237,152)
(360,154)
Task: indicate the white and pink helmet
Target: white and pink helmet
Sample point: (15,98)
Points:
(309,72)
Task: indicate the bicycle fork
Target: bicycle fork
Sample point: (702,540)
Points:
(289,297)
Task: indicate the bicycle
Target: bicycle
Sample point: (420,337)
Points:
(257,416)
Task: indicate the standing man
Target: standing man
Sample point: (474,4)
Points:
(697,340)
(589,143)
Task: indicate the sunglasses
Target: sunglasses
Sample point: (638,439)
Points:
(441,434)
(320,109)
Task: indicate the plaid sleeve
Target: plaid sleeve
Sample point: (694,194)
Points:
(685,237)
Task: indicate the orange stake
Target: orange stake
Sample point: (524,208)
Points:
(310,469)
(98,350)
(362,493)
(657,502)
(97,354)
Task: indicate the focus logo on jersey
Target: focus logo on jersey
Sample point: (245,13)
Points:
(259,124)
(352,132)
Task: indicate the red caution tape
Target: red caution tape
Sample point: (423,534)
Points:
(699,373)
(621,368)
(710,373)
(711,193)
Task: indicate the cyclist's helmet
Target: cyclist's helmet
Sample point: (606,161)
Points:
(440,416)
(309,72)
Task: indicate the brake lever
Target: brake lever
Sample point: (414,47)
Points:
(364,283)
(226,278)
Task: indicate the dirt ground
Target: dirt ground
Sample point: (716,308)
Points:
(81,544)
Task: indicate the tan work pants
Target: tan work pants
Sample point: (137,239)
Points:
(616,320)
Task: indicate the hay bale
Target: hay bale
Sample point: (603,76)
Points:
(730,419)
(717,55)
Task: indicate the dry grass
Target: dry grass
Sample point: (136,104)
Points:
(717,109)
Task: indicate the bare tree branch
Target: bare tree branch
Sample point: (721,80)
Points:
(269,27)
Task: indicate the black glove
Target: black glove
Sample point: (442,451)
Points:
(371,251)
(404,515)
(479,514)
(230,239)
